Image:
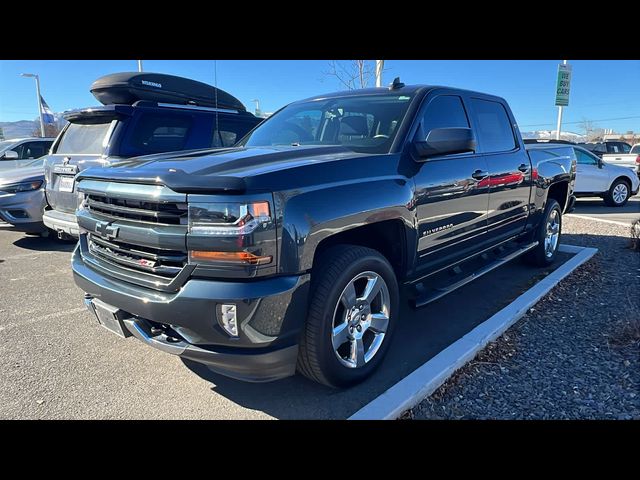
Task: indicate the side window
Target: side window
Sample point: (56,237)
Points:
(445,111)
(585,159)
(625,148)
(34,150)
(494,128)
(19,149)
(160,132)
(229,131)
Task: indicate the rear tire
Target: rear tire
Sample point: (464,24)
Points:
(348,332)
(548,236)
(618,194)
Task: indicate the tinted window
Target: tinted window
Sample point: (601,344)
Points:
(494,128)
(363,123)
(230,131)
(160,132)
(635,149)
(585,159)
(81,138)
(35,149)
(445,111)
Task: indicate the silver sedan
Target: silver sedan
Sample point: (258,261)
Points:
(22,197)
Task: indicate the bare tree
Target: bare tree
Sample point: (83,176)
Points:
(50,130)
(592,132)
(352,74)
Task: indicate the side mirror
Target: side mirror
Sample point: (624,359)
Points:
(10,155)
(445,141)
(600,162)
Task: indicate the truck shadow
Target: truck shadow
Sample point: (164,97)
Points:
(49,244)
(420,335)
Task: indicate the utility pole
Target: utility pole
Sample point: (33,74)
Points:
(257,111)
(559,125)
(379,68)
(140,65)
(33,75)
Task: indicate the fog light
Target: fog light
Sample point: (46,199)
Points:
(228,319)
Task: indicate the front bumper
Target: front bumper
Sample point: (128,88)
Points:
(270,313)
(61,222)
(23,210)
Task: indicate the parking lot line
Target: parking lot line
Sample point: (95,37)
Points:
(48,316)
(423,381)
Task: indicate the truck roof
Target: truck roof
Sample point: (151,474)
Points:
(406,89)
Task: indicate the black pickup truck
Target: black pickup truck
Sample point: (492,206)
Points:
(288,251)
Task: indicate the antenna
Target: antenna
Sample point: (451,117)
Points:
(396,84)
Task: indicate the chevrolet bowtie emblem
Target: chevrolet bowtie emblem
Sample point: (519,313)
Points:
(104,229)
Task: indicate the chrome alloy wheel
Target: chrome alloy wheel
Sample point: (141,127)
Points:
(552,233)
(361,319)
(620,193)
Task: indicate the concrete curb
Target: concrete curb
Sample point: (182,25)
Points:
(423,381)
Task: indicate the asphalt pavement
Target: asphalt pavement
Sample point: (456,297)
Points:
(595,208)
(57,362)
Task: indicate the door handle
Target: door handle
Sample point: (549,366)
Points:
(524,168)
(480,174)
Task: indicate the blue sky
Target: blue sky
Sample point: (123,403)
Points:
(600,90)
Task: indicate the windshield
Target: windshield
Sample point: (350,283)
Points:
(6,145)
(635,149)
(83,138)
(367,123)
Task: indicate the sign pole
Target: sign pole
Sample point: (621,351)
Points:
(140,65)
(379,68)
(560,107)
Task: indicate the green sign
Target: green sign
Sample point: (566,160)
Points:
(563,85)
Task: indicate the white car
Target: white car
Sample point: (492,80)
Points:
(597,178)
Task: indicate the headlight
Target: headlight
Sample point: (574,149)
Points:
(224,219)
(231,233)
(21,187)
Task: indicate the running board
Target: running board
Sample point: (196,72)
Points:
(437,293)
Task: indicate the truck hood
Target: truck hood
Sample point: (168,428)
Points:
(25,174)
(221,170)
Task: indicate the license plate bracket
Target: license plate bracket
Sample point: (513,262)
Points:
(66,183)
(110,318)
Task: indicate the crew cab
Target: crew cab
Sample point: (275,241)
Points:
(142,113)
(287,252)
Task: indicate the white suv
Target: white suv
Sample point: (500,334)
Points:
(597,178)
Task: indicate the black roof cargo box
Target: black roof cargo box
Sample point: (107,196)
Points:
(129,87)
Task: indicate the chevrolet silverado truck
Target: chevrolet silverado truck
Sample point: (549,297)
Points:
(141,114)
(288,251)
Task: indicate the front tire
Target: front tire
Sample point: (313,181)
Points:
(352,316)
(548,236)
(618,194)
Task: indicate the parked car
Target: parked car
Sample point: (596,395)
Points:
(289,250)
(143,113)
(598,178)
(615,153)
(22,197)
(19,152)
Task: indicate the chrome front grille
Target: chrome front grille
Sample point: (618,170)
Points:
(165,263)
(135,233)
(137,210)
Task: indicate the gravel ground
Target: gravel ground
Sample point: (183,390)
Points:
(575,355)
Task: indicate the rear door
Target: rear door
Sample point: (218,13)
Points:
(509,168)
(451,201)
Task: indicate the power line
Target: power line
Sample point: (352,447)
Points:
(581,121)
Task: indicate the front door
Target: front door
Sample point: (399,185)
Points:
(451,199)
(590,178)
